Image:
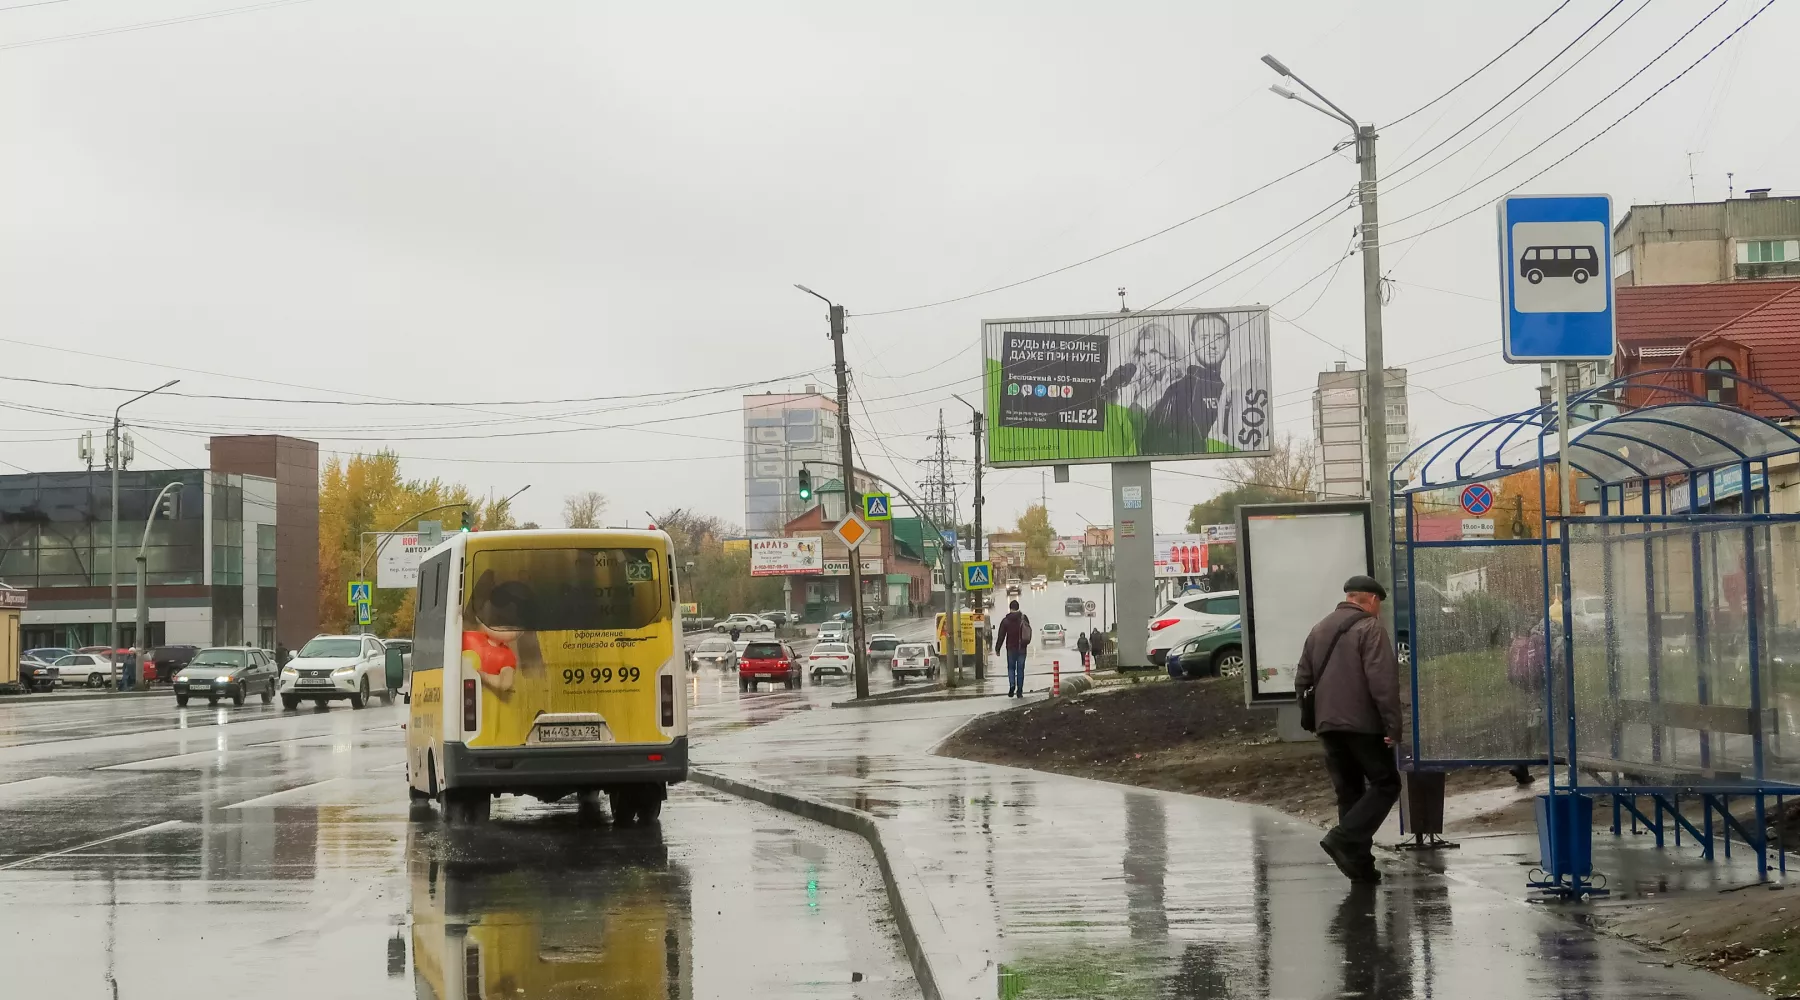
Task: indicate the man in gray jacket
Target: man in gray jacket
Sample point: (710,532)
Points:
(1349,663)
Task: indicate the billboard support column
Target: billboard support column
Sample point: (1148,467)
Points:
(1134,556)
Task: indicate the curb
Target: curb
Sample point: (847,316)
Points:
(107,694)
(864,826)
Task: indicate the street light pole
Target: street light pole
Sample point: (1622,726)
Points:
(117,453)
(1380,485)
(848,468)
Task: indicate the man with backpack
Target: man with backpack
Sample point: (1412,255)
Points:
(1013,635)
(1350,679)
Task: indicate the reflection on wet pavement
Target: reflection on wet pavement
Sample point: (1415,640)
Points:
(1042,885)
(278,857)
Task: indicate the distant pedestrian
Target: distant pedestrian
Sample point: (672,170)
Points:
(1347,664)
(1013,636)
(735,632)
(1082,646)
(1097,643)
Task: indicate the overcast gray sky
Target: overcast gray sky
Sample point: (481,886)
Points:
(477,201)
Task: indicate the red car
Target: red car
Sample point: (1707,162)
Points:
(767,660)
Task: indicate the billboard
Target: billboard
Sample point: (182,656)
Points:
(1069,546)
(397,562)
(786,556)
(1186,554)
(1293,559)
(1173,384)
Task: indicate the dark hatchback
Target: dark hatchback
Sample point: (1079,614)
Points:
(164,662)
(233,672)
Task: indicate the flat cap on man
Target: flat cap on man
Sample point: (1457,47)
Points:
(1365,585)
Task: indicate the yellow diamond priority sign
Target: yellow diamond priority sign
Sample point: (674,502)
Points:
(851,531)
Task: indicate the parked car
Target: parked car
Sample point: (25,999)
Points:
(829,658)
(882,645)
(162,663)
(1074,607)
(35,674)
(870,614)
(780,617)
(49,654)
(768,660)
(744,623)
(333,667)
(714,653)
(85,669)
(1053,633)
(1188,616)
(1218,653)
(234,672)
(912,659)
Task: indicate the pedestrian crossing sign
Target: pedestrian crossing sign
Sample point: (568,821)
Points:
(362,612)
(877,507)
(978,576)
(359,592)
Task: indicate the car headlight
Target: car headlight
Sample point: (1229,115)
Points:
(343,671)
(227,679)
(290,672)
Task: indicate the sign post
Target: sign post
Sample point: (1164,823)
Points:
(1556,301)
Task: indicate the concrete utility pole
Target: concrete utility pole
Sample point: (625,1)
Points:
(115,456)
(980,596)
(1374,363)
(852,503)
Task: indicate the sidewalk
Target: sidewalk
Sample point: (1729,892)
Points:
(1027,884)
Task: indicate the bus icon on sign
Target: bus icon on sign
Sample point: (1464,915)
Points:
(1579,263)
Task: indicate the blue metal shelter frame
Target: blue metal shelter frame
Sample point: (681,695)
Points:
(1638,459)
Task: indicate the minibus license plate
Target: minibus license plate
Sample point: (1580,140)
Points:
(571,733)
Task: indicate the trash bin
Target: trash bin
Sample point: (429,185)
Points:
(396,669)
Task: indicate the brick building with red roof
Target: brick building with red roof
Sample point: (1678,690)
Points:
(1747,328)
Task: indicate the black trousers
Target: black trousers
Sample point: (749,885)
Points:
(1367,784)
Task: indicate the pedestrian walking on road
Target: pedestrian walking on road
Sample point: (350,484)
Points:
(1348,669)
(1097,643)
(1082,646)
(1013,636)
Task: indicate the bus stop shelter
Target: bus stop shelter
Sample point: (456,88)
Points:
(1643,645)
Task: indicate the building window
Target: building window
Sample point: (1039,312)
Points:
(1768,258)
(265,555)
(1720,386)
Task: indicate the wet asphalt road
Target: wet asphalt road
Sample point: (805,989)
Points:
(152,851)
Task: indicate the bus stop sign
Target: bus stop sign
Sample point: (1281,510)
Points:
(1556,280)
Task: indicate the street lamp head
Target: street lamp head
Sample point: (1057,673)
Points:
(805,289)
(1279,91)
(1275,64)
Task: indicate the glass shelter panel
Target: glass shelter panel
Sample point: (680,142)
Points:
(1684,630)
(1477,651)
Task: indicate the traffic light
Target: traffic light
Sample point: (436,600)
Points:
(805,484)
(169,507)
(467,522)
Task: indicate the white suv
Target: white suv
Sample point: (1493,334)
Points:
(1188,616)
(332,667)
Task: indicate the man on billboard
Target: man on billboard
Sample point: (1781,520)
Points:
(1173,383)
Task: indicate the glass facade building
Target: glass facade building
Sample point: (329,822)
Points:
(212,573)
(782,433)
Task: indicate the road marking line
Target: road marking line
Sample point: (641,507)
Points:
(92,843)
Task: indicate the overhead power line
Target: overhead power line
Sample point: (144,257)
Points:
(1396,171)
(1126,246)
(1590,139)
(141,25)
(1482,68)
